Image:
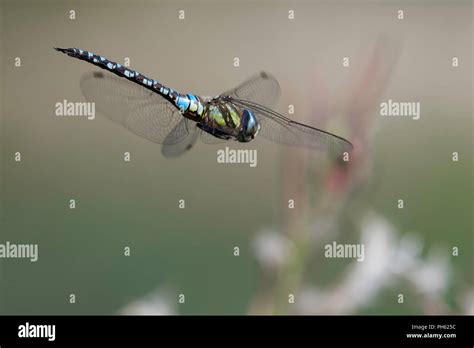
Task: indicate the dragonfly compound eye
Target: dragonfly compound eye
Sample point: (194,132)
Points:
(250,125)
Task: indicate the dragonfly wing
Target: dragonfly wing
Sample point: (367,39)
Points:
(261,88)
(281,129)
(138,109)
(185,130)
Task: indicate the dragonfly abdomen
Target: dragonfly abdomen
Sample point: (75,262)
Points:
(189,104)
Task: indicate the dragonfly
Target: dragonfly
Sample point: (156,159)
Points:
(176,120)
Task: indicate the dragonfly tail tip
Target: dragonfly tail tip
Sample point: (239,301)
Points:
(60,49)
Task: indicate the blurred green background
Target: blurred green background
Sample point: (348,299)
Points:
(135,204)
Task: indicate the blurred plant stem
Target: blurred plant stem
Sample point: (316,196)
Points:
(321,193)
(290,276)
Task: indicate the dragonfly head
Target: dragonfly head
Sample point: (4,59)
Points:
(250,127)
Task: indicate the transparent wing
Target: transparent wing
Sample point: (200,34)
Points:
(185,130)
(138,109)
(278,128)
(261,88)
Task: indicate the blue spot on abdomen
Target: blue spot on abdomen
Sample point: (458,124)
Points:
(182,103)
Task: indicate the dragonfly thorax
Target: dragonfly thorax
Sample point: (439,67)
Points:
(230,121)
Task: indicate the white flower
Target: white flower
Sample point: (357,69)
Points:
(271,248)
(155,303)
(431,276)
(407,253)
(387,259)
